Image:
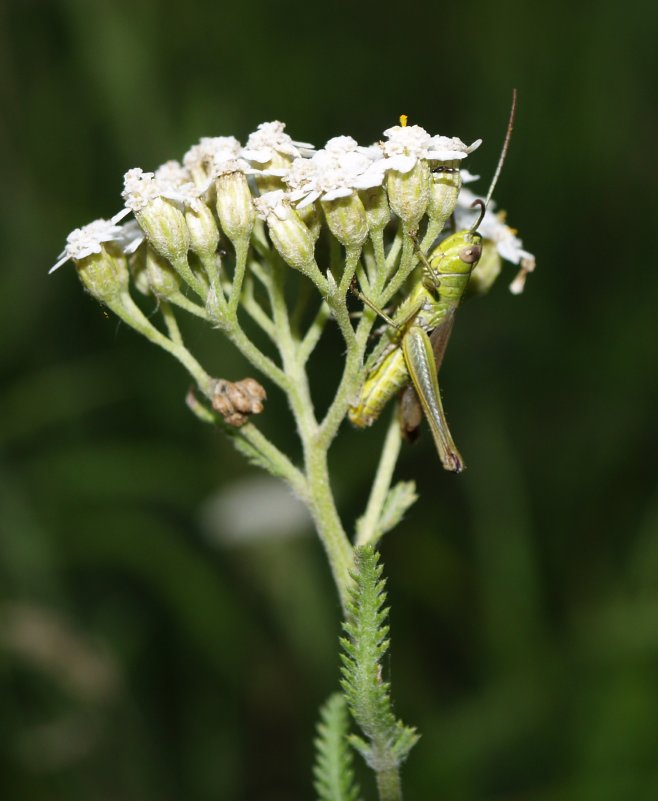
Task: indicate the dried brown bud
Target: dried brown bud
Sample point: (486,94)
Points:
(237,401)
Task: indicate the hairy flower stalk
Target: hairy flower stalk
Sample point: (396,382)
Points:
(285,235)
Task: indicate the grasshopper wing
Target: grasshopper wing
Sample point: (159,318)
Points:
(419,358)
(410,411)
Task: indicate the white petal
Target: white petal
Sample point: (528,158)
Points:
(400,163)
(64,257)
(468,177)
(310,198)
(368,180)
(334,194)
(259,156)
(120,215)
(445,154)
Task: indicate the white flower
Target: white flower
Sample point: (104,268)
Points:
(290,236)
(468,177)
(211,152)
(275,203)
(336,171)
(495,229)
(173,173)
(131,237)
(89,239)
(408,144)
(270,139)
(447,148)
(339,145)
(176,183)
(141,188)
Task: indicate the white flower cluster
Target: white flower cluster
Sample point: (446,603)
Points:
(278,175)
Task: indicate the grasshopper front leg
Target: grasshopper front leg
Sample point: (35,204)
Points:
(419,360)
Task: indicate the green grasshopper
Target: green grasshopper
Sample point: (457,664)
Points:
(409,355)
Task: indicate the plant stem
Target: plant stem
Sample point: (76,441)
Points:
(319,497)
(367,527)
(126,309)
(170,321)
(312,336)
(183,269)
(241,252)
(388,785)
(325,516)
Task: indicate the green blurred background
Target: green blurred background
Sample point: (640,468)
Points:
(145,654)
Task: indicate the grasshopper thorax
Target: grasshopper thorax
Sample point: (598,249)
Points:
(458,254)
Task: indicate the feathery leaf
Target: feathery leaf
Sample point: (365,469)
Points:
(333,770)
(387,741)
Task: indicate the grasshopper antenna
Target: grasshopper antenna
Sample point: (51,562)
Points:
(501,160)
(503,152)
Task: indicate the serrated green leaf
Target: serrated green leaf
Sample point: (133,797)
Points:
(398,499)
(407,737)
(386,741)
(333,771)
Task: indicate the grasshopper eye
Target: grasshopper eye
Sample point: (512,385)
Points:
(470,254)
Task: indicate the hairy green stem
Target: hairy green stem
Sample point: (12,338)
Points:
(126,309)
(323,510)
(187,305)
(241,252)
(280,463)
(257,358)
(407,264)
(312,336)
(319,497)
(255,310)
(367,528)
(182,267)
(170,321)
(388,785)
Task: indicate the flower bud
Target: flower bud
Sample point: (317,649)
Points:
(378,212)
(289,235)
(163,281)
(269,179)
(235,207)
(311,218)
(408,193)
(346,218)
(104,275)
(204,235)
(445,184)
(164,225)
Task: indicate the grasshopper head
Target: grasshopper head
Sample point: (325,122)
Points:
(459,253)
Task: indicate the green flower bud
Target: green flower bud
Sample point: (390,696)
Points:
(165,228)
(270,183)
(235,207)
(153,275)
(204,235)
(290,236)
(408,193)
(163,280)
(137,267)
(346,218)
(378,212)
(445,184)
(104,275)
(312,219)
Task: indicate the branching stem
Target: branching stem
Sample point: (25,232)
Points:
(367,529)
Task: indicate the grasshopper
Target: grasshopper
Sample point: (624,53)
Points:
(410,353)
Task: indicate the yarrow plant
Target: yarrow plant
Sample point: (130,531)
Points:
(289,238)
